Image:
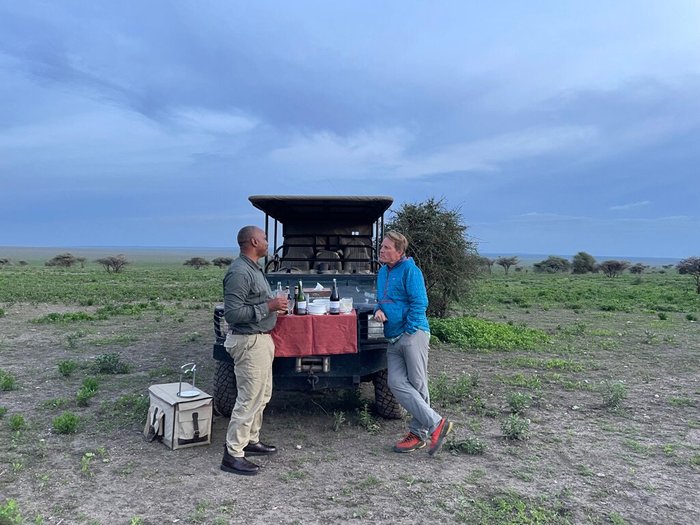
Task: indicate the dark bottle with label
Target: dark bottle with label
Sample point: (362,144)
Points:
(300,307)
(294,300)
(290,300)
(334,308)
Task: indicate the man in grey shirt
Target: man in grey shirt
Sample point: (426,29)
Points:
(250,310)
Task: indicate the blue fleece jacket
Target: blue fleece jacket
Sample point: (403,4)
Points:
(401,295)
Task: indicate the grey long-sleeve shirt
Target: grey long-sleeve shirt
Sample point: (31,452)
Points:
(246,292)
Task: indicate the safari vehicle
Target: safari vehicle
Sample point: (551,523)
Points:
(314,240)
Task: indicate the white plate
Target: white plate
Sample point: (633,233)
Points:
(189,393)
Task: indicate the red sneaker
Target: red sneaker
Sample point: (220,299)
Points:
(410,443)
(438,436)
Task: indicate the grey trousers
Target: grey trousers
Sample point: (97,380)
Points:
(407,363)
(252,359)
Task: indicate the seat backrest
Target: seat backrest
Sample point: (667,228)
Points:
(297,254)
(328,261)
(357,255)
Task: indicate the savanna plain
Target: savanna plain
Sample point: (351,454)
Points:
(575,400)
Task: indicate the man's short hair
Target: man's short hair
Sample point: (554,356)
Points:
(400,242)
(245,234)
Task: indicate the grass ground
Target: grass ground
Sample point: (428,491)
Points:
(597,421)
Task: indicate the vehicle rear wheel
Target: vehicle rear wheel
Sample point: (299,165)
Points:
(225,390)
(384,401)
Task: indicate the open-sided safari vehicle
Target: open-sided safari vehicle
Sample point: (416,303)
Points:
(315,240)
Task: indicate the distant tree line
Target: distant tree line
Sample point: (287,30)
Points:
(584,262)
(117,263)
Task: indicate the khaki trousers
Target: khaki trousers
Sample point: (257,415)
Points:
(252,359)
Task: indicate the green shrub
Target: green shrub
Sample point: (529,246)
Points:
(67,367)
(470,332)
(53,404)
(663,316)
(613,394)
(532,382)
(9,513)
(66,423)
(446,392)
(7,381)
(3,411)
(515,427)
(472,446)
(91,383)
(68,317)
(17,422)
(87,391)
(111,364)
(513,509)
(691,317)
(83,397)
(518,402)
(2,312)
(367,421)
(133,309)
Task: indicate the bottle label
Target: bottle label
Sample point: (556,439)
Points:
(301,307)
(334,307)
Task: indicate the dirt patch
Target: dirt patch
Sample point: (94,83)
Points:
(583,462)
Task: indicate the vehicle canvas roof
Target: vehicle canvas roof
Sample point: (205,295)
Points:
(303,208)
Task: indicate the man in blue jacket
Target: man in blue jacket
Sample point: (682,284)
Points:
(402,301)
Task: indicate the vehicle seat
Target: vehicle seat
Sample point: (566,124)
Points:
(324,265)
(354,249)
(297,255)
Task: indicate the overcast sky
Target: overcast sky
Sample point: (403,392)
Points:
(555,127)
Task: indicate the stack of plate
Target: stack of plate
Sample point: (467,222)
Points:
(316,308)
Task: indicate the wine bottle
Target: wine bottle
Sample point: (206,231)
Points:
(334,308)
(301,301)
(290,300)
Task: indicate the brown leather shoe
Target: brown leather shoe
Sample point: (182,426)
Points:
(259,449)
(238,465)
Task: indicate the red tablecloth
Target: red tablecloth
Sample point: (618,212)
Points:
(302,335)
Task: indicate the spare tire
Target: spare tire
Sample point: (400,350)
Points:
(225,390)
(384,401)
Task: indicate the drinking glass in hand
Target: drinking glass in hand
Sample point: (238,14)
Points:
(281,293)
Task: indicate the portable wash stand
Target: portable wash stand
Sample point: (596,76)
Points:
(180,414)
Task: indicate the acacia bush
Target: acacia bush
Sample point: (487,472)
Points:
(637,268)
(438,242)
(64,260)
(196,262)
(613,268)
(691,266)
(552,264)
(485,263)
(222,262)
(113,263)
(583,263)
(507,262)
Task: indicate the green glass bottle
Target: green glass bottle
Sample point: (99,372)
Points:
(300,307)
(334,308)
